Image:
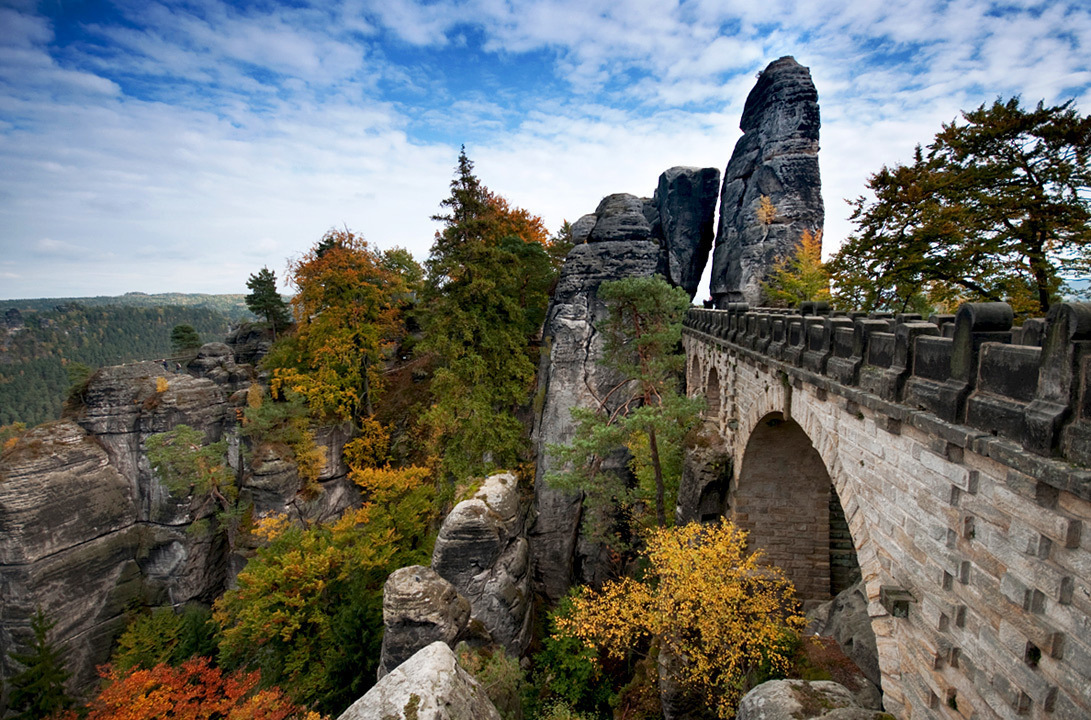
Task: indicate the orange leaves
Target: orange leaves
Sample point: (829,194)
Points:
(194,691)
(722,611)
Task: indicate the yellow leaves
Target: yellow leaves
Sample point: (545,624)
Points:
(370,448)
(723,611)
(767,212)
(254,396)
(161,384)
(271,527)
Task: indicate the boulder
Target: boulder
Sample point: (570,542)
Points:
(419,608)
(428,686)
(803,700)
(482,550)
(777,157)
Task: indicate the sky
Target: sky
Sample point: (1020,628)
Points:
(150,146)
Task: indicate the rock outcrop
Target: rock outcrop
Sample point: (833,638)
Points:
(803,700)
(428,686)
(89,531)
(845,618)
(626,236)
(482,551)
(419,608)
(777,157)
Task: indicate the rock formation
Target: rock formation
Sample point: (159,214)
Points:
(482,551)
(626,236)
(777,157)
(845,618)
(428,686)
(419,608)
(89,532)
(803,700)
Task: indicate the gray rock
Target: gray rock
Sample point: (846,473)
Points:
(777,156)
(482,550)
(845,619)
(250,342)
(802,700)
(419,608)
(428,686)
(685,201)
(570,377)
(620,218)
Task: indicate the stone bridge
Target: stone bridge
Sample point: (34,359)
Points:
(956,450)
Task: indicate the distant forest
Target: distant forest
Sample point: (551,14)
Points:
(42,339)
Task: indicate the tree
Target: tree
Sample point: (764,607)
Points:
(644,413)
(721,612)
(308,608)
(800,278)
(37,691)
(348,315)
(183,338)
(164,636)
(193,691)
(265,301)
(998,208)
(489,275)
(188,467)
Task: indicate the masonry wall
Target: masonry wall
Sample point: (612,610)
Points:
(988,541)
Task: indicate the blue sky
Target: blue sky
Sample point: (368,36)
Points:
(181,146)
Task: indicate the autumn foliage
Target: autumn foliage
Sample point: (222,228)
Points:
(194,691)
(722,612)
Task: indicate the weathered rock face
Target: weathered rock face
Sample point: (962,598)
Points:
(686,206)
(803,700)
(626,236)
(845,619)
(482,550)
(249,342)
(88,531)
(419,608)
(428,686)
(777,157)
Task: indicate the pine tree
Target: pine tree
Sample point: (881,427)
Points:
(37,691)
(265,301)
(183,338)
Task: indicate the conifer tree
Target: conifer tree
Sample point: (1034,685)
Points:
(489,275)
(183,338)
(37,691)
(265,301)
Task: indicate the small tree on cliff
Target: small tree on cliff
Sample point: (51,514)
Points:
(801,277)
(183,338)
(265,301)
(37,691)
(644,413)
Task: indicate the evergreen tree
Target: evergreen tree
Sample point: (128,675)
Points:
(489,275)
(644,413)
(37,691)
(264,300)
(183,338)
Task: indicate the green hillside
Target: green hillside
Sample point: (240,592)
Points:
(44,337)
(231,306)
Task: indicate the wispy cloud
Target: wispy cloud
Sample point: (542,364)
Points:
(207,139)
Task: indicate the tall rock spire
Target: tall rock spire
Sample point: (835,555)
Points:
(777,157)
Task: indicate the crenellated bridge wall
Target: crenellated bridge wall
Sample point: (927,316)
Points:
(957,452)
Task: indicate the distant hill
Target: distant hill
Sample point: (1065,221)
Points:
(233,307)
(41,339)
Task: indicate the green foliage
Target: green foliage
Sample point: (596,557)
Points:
(643,415)
(489,275)
(187,466)
(570,671)
(265,301)
(10,434)
(37,691)
(184,338)
(33,377)
(229,306)
(307,609)
(500,676)
(997,208)
(164,636)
